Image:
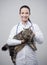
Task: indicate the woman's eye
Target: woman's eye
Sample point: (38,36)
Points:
(22,12)
(26,12)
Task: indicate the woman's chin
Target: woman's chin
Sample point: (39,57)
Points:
(24,20)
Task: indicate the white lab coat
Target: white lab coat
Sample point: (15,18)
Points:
(26,56)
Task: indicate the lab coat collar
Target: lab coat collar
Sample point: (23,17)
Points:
(26,25)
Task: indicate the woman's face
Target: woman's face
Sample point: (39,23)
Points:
(24,14)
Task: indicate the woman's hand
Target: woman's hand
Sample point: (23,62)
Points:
(22,41)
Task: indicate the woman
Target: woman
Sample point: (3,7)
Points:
(26,56)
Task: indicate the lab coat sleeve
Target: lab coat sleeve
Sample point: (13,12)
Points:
(38,34)
(12,41)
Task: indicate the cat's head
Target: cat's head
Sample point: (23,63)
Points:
(27,33)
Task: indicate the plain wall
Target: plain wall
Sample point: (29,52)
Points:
(9,16)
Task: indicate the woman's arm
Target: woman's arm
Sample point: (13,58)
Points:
(12,41)
(38,34)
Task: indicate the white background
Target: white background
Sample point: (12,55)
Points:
(9,16)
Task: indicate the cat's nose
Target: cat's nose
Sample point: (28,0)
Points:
(28,35)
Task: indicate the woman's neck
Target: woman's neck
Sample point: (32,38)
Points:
(24,22)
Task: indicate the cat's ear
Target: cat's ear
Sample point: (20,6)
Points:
(29,27)
(21,32)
